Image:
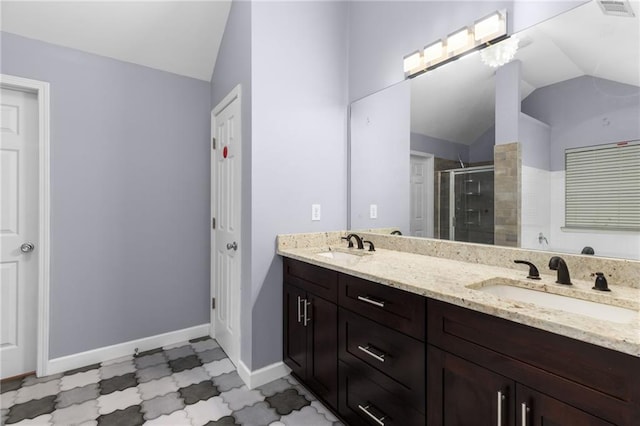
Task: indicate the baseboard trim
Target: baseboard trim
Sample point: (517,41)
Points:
(263,375)
(81,359)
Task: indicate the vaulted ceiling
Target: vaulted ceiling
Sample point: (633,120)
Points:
(181,37)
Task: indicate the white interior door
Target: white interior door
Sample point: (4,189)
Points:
(18,232)
(226,249)
(421,196)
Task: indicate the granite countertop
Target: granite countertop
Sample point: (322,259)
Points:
(457,282)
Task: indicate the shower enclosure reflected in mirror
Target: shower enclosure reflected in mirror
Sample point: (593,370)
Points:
(464,208)
(578,85)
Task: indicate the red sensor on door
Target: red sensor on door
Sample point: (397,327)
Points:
(225,151)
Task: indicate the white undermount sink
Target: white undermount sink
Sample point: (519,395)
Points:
(339,255)
(599,311)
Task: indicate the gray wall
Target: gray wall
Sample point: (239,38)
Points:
(535,141)
(482,148)
(233,67)
(439,147)
(129,196)
(380,138)
(299,128)
(479,151)
(507,112)
(585,111)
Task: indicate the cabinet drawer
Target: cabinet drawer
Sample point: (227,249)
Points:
(398,358)
(361,400)
(392,307)
(538,353)
(320,281)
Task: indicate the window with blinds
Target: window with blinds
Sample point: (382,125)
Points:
(602,187)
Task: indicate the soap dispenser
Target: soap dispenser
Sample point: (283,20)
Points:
(601,282)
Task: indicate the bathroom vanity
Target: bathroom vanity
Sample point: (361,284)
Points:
(399,338)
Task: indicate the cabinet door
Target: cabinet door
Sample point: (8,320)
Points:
(536,409)
(294,331)
(322,351)
(461,393)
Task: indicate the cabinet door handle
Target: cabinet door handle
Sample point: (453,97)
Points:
(524,410)
(367,299)
(300,299)
(501,397)
(367,350)
(306,313)
(379,420)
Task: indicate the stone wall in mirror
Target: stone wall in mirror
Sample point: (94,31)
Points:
(469,152)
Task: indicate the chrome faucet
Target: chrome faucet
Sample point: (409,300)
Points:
(357,238)
(556,263)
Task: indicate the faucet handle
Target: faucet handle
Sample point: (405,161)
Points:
(371,246)
(601,282)
(348,238)
(533,271)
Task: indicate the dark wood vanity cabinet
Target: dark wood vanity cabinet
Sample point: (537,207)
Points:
(358,345)
(381,350)
(378,355)
(310,327)
(484,367)
(467,392)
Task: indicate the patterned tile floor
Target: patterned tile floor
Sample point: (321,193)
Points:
(190,384)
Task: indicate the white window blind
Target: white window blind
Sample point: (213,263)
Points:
(603,187)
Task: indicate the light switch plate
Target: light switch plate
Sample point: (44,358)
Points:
(315,211)
(373,211)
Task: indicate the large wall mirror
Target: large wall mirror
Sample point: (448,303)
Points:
(424,153)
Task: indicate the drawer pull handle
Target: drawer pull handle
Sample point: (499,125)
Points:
(306,313)
(501,397)
(379,420)
(524,412)
(380,304)
(367,350)
(300,299)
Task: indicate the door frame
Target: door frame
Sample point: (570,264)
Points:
(429,160)
(235,93)
(42,92)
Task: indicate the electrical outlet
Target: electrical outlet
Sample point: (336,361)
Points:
(315,211)
(373,211)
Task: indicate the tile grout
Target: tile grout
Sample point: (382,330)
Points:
(189,384)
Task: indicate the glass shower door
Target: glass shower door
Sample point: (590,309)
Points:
(473,206)
(465,205)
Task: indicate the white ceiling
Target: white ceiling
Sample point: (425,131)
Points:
(456,102)
(181,37)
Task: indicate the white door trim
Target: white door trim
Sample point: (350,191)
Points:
(41,89)
(235,93)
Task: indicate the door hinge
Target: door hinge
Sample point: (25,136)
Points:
(213,303)
(213,143)
(213,223)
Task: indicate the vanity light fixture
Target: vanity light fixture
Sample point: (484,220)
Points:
(413,62)
(459,42)
(490,27)
(434,53)
(484,32)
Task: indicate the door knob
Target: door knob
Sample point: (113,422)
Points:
(232,246)
(27,247)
